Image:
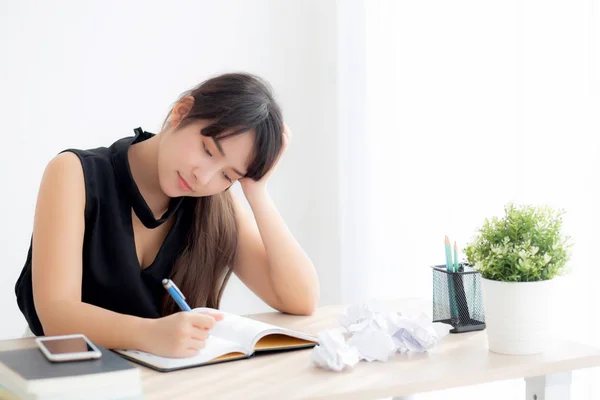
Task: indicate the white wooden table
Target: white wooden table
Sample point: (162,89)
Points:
(459,360)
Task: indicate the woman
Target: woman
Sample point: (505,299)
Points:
(111,223)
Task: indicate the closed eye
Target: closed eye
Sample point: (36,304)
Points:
(227,177)
(206,149)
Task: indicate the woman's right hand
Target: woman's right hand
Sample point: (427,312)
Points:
(179,335)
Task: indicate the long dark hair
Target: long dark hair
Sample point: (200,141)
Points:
(234,103)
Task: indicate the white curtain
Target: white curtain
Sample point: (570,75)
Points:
(470,105)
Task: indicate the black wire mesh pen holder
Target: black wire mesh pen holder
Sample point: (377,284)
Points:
(457,298)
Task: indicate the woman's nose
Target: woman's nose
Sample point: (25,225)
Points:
(203,175)
(202,178)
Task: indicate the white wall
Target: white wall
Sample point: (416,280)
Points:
(354,174)
(473,104)
(83,74)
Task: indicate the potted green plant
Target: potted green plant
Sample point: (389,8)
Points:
(518,257)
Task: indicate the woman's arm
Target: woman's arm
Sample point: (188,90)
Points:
(59,226)
(269,260)
(58,232)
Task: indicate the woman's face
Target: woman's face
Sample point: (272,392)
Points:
(190,164)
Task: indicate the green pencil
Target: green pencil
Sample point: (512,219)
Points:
(449,265)
(451,288)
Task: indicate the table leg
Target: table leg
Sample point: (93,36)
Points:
(549,387)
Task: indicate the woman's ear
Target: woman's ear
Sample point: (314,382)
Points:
(181,109)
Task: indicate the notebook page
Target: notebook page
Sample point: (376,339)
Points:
(215,347)
(239,329)
(247,331)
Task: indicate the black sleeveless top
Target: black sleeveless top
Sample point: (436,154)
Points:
(112,277)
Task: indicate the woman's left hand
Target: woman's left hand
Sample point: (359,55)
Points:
(250,186)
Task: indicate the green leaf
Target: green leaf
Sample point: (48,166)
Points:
(525,245)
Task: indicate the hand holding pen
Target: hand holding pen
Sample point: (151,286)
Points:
(181,334)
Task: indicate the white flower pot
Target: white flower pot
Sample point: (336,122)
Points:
(518,315)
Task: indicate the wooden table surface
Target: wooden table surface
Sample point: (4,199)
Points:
(459,360)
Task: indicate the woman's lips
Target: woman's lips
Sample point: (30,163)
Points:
(183,184)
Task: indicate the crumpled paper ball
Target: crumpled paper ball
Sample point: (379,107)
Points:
(333,352)
(376,333)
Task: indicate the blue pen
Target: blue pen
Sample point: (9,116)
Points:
(176,294)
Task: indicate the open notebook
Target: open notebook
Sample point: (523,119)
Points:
(232,338)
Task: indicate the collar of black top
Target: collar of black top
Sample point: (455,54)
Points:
(123,170)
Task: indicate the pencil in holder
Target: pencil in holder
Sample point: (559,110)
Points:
(457,298)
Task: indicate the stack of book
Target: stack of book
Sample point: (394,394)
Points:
(27,374)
